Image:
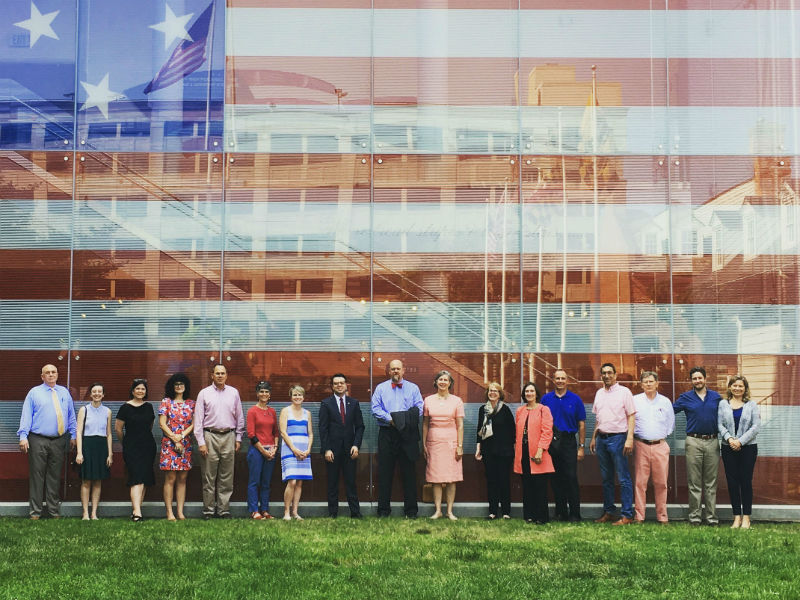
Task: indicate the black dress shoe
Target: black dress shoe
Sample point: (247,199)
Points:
(356,516)
(574,519)
(207,516)
(333,515)
(225,516)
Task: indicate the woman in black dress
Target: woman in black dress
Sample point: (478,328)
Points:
(134,429)
(495,448)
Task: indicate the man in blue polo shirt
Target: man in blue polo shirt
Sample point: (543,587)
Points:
(569,418)
(702,447)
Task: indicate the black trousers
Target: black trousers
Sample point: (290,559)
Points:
(739,466)
(534,491)
(342,463)
(390,454)
(498,482)
(565,480)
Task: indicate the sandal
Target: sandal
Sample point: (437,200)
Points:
(137,518)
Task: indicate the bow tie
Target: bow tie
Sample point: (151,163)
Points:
(397,385)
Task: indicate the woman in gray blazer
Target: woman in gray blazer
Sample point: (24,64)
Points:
(738,422)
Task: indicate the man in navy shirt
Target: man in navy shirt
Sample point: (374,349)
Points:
(569,418)
(702,447)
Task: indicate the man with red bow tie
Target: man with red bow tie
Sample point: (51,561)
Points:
(396,442)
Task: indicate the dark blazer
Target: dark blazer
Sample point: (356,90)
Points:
(407,424)
(504,432)
(332,434)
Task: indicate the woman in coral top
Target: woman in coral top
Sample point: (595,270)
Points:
(531,458)
(263,431)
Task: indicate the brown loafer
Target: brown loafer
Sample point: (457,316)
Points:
(623,521)
(606,518)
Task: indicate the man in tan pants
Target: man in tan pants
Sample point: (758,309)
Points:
(702,447)
(218,427)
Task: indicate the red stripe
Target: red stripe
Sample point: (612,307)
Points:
(734,82)
(145,176)
(258,276)
(46,172)
(34,274)
(490,81)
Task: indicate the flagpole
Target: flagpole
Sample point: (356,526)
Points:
(594,170)
(564,239)
(486,295)
(503,287)
(210,60)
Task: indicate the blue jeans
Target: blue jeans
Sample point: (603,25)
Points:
(611,459)
(259,476)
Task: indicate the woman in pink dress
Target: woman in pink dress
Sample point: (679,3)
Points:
(176,419)
(442,442)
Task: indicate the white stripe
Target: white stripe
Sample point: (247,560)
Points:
(728,329)
(632,227)
(494,33)
(622,130)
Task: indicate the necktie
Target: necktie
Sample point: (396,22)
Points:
(397,385)
(341,408)
(57,408)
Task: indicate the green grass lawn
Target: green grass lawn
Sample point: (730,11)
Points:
(393,558)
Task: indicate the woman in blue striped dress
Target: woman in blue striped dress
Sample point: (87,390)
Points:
(297,435)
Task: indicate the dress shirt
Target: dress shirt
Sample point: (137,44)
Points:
(567,410)
(655,419)
(39,414)
(701,415)
(218,409)
(612,407)
(387,400)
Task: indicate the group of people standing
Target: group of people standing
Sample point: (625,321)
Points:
(639,425)
(542,442)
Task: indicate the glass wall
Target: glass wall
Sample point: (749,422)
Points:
(496,188)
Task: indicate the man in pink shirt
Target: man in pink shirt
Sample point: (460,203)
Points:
(218,427)
(615,416)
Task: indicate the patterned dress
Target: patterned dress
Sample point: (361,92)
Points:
(291,468)
(179,417)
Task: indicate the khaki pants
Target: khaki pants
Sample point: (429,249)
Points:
(702,466)
(217,471)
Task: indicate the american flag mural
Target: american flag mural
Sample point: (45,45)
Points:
(296,188)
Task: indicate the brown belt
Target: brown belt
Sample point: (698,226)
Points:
(648,442)
(702,436)
(217,431)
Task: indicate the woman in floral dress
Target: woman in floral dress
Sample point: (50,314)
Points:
(176,418)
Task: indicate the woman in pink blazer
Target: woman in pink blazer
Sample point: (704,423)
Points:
(531,458)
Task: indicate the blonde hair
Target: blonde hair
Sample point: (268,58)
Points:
(743,379)
(297,388)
